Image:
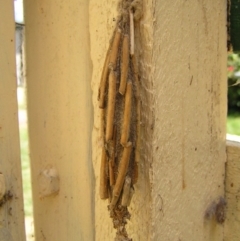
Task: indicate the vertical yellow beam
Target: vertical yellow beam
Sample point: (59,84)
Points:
(232,225)
(60,118)
(11,196)
(182,49)
(189,121)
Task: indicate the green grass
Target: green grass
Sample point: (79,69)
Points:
(233,125)
(27,187)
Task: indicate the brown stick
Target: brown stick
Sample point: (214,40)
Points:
(126,191)
(103,176)
(127,115)
(138,108)
(123,167)
(125,62)
(103,82)
(112,159)
(135,172)
(111,105)
(114,49)
(131,33)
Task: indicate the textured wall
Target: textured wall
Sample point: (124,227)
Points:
(182,52)
(11,211)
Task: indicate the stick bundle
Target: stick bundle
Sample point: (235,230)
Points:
(119,100)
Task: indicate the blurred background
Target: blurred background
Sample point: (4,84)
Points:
(233,68)
(22,117)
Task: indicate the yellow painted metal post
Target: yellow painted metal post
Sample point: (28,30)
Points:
(232,225)
(182,61)
(60,118)
(11,196)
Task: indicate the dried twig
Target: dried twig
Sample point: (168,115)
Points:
(131,33)
(123,167)
(127,115)
(126,191)
(124,66)
(111,105)
(112,159)
(115,49)
(103,83)
(103,176)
